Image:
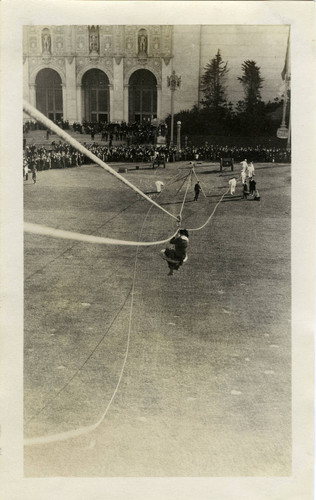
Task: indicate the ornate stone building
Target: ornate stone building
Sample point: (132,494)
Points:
(114,73)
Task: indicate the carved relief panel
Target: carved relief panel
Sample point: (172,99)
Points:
(167,40)
(81,40)
(119,33)
(59,45)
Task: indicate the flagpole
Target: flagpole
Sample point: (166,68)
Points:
(283,131)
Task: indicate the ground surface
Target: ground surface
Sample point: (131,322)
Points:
(206,388)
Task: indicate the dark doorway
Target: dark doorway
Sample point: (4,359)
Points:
(95,84)
(142,96)
(49,96)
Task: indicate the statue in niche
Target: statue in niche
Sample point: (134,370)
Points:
(46,42)
(94,39)
(142,42)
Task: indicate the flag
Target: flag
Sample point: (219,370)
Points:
(286,69)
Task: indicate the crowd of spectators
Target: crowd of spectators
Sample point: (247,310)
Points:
(136,133)
(34,125)
(137,143)
(62,155)
(131,133)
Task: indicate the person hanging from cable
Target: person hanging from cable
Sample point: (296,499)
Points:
(176,256)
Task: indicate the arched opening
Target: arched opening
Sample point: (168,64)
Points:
(142,96)
(96,95)
(49,95)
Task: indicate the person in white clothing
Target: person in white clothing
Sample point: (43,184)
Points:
(232,183)
(251,170)
(159,186)
(243,176)
(244,165)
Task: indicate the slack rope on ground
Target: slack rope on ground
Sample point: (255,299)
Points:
(63,436)
(38,116)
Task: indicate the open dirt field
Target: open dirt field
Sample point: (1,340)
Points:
(203,357)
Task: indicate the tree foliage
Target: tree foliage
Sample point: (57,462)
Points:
(213,84)
(248,117)
(251,110)
(252,84)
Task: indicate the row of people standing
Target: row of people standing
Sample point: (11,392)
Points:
(249,185)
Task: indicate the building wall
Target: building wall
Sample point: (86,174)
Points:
(186,62)
(186,49)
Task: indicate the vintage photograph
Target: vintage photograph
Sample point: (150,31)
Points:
(157,250)
(142,142)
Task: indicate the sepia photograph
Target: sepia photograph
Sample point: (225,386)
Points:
(159,204)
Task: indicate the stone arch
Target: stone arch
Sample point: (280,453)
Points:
(49,93)
(95,95)
(132,70)
(142,96)
(36,70)
(87,67)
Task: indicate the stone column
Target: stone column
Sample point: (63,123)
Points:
(79,103)
(70,104)
(159,98)
(126,87)
(26,86)
(112,108)
(117,112)
(65,115)
(33,94)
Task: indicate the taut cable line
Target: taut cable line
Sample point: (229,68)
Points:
(38,116)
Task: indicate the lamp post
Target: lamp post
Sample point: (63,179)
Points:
(178,137)
(173,82)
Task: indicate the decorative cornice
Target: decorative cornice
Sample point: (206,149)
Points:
(94,57)
(46,58)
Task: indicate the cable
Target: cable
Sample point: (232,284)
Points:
(84,430)
(185,195)
(37,115)
(210,217)
(87,238)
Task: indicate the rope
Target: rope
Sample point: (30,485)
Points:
(87,238)
(210,217)
(81,366)
(185,195)
(37,115)
(87,429)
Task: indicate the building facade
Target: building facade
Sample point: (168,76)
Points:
(115,73)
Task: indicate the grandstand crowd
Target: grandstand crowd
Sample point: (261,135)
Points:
(138,133)
(62,155)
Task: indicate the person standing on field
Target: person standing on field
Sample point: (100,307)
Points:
(34,175)
(251,170)
(197,189)
(232,184)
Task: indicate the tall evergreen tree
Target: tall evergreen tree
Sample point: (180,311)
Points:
(251,109)
(252,83)
(214,88)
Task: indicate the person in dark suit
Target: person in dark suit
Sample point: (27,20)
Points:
(197,189)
